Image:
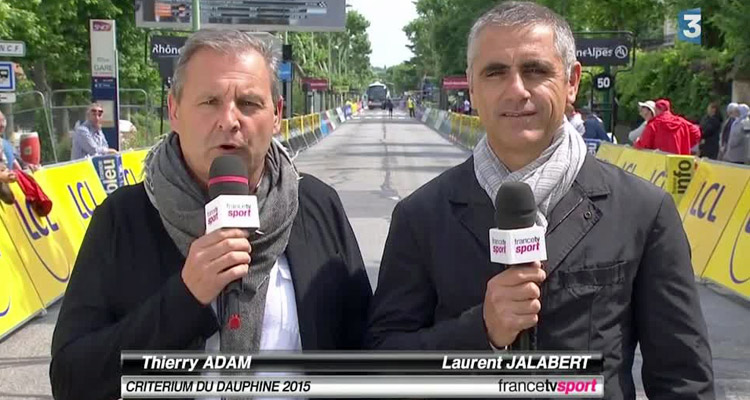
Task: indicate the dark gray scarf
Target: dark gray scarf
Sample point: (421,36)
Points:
(180,202)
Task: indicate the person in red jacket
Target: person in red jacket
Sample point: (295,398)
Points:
(668,132)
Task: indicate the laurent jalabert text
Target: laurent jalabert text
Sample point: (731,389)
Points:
(189,364)
(564,362)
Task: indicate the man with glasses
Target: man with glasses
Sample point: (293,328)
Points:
(88,138)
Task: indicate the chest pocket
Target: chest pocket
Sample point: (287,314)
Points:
(590,280)
(578,304)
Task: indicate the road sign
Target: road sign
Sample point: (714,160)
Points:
(12,48)
(7,97)
(285,71)
(7,77)
(166,46)
(689,26)
(610,51)
(604,81)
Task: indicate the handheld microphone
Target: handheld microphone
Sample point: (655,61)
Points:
(231,206)
(517,240)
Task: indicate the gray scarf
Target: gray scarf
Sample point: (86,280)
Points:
(550,176)
(180,202)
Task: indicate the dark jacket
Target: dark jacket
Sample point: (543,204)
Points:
(711,129)
(594,129)
(126,292)
(619,275)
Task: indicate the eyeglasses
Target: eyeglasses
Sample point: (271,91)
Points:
(98,112)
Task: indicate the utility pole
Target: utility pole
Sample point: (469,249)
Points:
(196,15)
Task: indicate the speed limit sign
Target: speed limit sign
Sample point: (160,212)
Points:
(604,82)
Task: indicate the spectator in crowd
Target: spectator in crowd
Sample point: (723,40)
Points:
(410,105)
(711,131)
(7,146)
(88,138)
(467,107)
(736,151)
(669,132)
(10,153)
(6,175)
(647,109)
(574,118)
(732,114)
(593,126)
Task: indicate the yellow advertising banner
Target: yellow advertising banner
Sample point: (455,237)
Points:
(43,245)
(680,171)
(609,152)
(730,262)
(18,298)
(649,165)
(132,163)
(75,190)
(707,205)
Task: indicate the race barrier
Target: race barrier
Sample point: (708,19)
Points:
(713,198)
(37,254)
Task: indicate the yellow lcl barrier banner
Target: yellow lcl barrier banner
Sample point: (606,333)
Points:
(75,191)
(730,262)
(609,152)
(648,165)
(132,163)
(18,298)
(42,244)
(707,206)
(47,246)
(680,171)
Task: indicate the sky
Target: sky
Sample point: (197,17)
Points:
(387,20)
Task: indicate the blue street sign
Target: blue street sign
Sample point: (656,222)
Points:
(285,71)
(689,28)
(105,91)
(7,77)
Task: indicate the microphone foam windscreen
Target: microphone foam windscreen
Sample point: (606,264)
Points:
(515,207)
(228,175)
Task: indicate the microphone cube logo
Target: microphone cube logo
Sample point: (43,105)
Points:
(239,210)
(498,246)
(212,216)
(525,245)
(517,246)
(232,211)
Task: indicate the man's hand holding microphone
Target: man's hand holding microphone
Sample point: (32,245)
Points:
(217,261)
(214,260)
(512,299)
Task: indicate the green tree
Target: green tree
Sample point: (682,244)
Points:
(342,57)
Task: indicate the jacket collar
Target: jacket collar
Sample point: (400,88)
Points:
(590,181)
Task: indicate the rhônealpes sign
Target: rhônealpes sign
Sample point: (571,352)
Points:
(603,51)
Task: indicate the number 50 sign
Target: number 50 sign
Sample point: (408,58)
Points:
(689,26)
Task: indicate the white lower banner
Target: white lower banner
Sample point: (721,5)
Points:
(349,386)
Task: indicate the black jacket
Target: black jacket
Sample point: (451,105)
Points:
(619,274)
(126,292)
